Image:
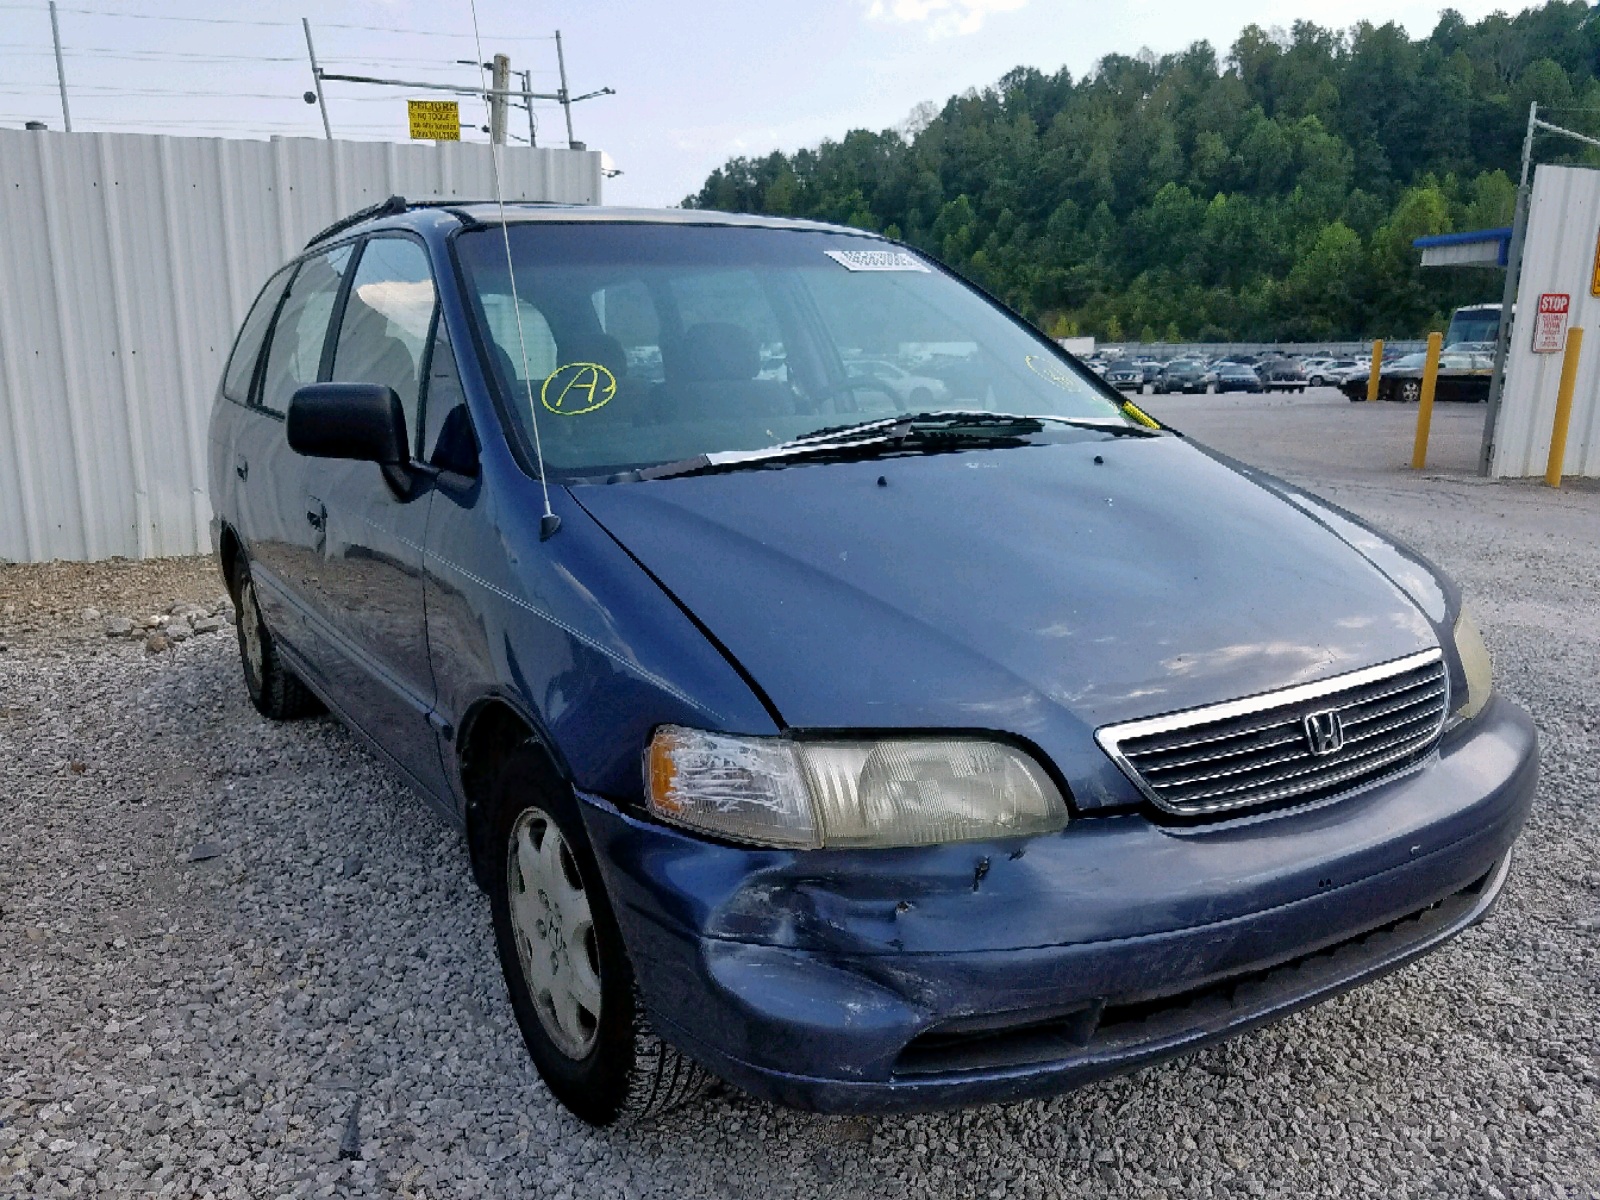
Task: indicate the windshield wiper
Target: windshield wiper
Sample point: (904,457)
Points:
(871,439)
(956,419)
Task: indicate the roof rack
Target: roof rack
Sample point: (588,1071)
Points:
(393,206)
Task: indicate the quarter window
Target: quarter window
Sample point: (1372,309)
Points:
(386,322)
(294,356)
(448,441)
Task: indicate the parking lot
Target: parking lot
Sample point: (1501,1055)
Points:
(228,947)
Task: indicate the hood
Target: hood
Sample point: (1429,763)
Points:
(1042,591)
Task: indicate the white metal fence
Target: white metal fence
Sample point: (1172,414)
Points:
(126,264)
(1558,256)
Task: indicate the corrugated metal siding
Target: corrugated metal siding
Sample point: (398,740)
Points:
(127,262)
(1558,256)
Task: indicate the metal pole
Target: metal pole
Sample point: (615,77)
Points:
(1558,433)
(1508,298)
(1376,374)
(566,96)
(527,103)
(61,70)
(1430,380)
(501,81)
(316,74)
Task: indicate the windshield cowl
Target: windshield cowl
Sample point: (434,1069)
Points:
(913,437)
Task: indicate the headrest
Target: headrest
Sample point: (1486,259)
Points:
(716,351)
(599,348)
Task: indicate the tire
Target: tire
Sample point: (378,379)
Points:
(274,689)
(547,897)
(1411,391)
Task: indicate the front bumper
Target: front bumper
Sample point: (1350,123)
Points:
(900,980)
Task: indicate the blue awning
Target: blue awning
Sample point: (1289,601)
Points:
(1480,248)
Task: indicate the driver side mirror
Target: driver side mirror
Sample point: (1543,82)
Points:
(360,421)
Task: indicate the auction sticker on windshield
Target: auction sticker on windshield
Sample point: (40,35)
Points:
(1550,323)
(576,388)
(876,260)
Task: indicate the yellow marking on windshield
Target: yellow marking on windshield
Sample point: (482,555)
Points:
(1053,372)
(584,387)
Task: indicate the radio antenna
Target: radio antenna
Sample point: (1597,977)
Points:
(549,522)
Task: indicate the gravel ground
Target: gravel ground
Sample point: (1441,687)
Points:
(220,938)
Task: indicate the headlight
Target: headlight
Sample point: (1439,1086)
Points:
(893,792)
(1475,664)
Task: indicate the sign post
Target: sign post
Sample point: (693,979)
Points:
(434,120)
(1550,323)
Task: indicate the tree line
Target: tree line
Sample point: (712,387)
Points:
(1272,194)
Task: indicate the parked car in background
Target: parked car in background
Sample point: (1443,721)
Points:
(1329,371)
(1462,378)
(1184,375)
(1236,377)
(784,744)
(1281,375)
(1126,377)
(918,392)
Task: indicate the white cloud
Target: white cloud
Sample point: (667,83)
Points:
(943,18)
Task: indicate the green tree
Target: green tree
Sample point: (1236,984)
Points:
(1273,192)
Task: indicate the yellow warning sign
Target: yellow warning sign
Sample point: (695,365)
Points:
(435,120)
(1594,283)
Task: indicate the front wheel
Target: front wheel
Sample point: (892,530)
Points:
(1411,391)
(571,985)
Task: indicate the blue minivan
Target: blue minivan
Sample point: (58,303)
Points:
(871,748)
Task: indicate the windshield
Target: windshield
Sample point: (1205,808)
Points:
(653,343)
(1474,325)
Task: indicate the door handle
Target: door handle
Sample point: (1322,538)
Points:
(241,467)
(317,515)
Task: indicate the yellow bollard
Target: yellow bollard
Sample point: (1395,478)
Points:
(1377,367)
(1558,435)
(1430,377)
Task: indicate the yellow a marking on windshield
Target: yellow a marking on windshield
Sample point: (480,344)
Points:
(589,386)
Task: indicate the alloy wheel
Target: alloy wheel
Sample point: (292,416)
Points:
(554,929)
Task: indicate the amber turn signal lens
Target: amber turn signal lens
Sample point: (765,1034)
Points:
(663,771)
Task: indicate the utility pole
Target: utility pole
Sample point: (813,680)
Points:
(316,74)
(500,83)
(566,96)
(527,104)
(61,70)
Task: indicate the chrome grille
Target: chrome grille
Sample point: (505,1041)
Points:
(1303,742)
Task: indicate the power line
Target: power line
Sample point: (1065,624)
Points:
(106,12)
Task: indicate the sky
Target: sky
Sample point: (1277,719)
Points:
(697,81)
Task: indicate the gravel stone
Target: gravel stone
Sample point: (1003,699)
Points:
(119,627)
(169,1030)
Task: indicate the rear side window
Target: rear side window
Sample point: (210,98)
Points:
(294,355)
(247,349)
(387,317)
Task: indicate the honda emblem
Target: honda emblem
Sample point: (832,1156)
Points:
(1324,732)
